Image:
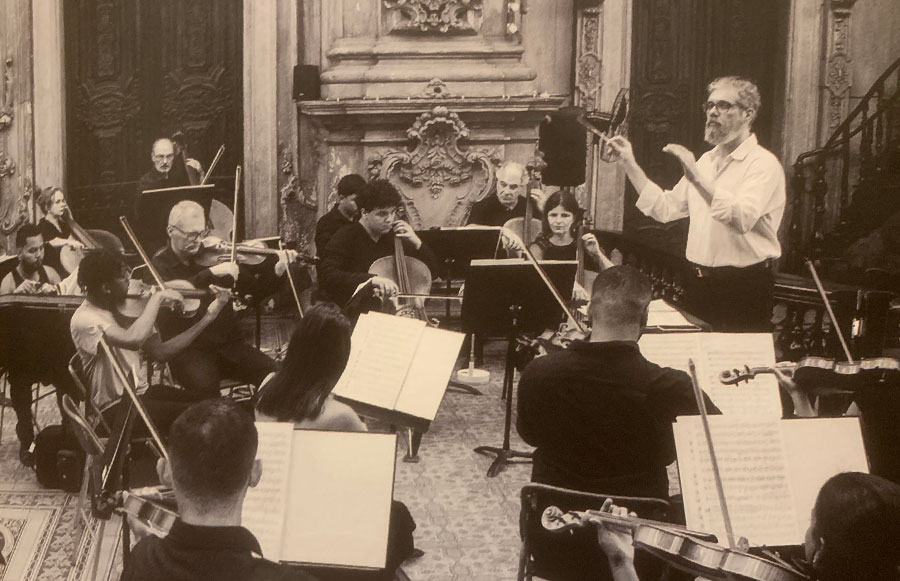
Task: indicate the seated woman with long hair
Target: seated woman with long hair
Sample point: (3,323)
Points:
(854,532)
(300,392)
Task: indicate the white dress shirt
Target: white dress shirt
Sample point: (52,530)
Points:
(740,226)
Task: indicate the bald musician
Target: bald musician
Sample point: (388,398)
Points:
(219,351)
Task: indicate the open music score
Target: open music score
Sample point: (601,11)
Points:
(398,369)
(771,470)
(324,497)
(713,352)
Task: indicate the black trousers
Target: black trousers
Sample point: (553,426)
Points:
(201,367)
(735,300)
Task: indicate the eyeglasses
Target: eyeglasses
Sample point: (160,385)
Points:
(721,106)
(192,236)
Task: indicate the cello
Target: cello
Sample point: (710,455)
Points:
(528,227)
(412,276)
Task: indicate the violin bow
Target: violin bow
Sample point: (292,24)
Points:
(237,189)
(720,490)
(212,164)
(143,254)
(291,282)
(834,323)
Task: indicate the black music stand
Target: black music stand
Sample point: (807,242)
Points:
(509,297)
(152,209)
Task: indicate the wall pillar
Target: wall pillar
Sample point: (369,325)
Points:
(49,94)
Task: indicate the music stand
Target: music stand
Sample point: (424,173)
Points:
(153,207)
(508,297)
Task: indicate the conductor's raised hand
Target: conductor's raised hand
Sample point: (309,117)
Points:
(225,269)
(403,230)
(622,149)
(686,158)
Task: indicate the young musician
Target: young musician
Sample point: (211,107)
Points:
(54,228)
(219,351)
(854,532)
(355,247)
(300,392)
(344,212)
(734,196)
(599,413)
(104,277)
(559,225)
(40,348)
(212,451)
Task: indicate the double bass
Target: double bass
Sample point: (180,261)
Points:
(528,227)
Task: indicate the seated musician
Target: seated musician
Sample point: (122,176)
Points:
(300,392)
(219,351)
(355,247)
(55,230)
(508,201)
(344,211)
(40,349)
(854,533)
(558,229)
(599,413)
(104,277)
(212,451)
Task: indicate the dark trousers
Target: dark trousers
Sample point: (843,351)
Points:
(201,368)
(736,300)
(21,383)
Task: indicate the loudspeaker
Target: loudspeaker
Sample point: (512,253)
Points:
(562,140)
(307,86)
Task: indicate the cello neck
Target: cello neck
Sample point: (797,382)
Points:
(400,265)
(78,232)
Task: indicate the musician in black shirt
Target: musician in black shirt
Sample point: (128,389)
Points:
(343,213)
(212,451)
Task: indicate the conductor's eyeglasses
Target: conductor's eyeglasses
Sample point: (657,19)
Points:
(192,236)
(720,106)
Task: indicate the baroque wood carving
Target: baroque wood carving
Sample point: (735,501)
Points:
(439,181)
(837,69)
(13,213)
(587,58)
(443,17)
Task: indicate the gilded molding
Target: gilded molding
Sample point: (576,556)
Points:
(435,17)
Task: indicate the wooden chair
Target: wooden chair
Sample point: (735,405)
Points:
(93,447)
(579,548)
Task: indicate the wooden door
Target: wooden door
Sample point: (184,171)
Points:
(678,46)
(137,70)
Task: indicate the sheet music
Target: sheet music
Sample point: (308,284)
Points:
(381,351)
(662,314)
(263,512)
(427,379)
(339,508)
(753,465)
(714,353)
(817,449)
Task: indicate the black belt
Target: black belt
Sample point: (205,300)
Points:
(716,271)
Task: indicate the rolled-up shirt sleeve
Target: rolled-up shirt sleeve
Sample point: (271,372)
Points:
(664,206)
(741,207)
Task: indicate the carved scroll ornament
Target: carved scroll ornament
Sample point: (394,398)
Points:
(438,181)
(13,213)
(435,16)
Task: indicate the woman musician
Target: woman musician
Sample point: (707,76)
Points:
(54,228)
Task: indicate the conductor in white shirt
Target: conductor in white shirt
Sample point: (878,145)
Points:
(734,196)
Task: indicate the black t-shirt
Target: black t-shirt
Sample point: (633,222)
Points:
(51,255)
(601,418)
(327,226)
(190,553)
(350,254)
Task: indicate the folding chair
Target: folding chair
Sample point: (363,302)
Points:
(574,555)
(93,448)
(92,412)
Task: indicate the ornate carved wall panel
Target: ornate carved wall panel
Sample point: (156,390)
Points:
(137,71)
(443,17)
(438,180)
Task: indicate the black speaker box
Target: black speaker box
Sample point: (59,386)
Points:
(307,86)
(562,140)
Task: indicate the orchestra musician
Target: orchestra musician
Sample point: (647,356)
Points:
(56,231)
(300,393)
(734,196)
(355,247)
(105,278)
(508,201)
(600,415)
(41,348)
(162,174)
(344,211)
(219,351)
(212,462)
(854,532)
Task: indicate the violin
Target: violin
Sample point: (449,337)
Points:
(250,252)
(825,375)
(153,506)
(528,227)
(412,276)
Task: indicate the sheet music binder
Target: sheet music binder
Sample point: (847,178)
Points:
(325,499)
(398,369)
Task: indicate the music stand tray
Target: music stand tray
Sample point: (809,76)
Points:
(509,297)
(153,207)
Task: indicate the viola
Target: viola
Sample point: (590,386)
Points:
(825,375)
(139,293)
